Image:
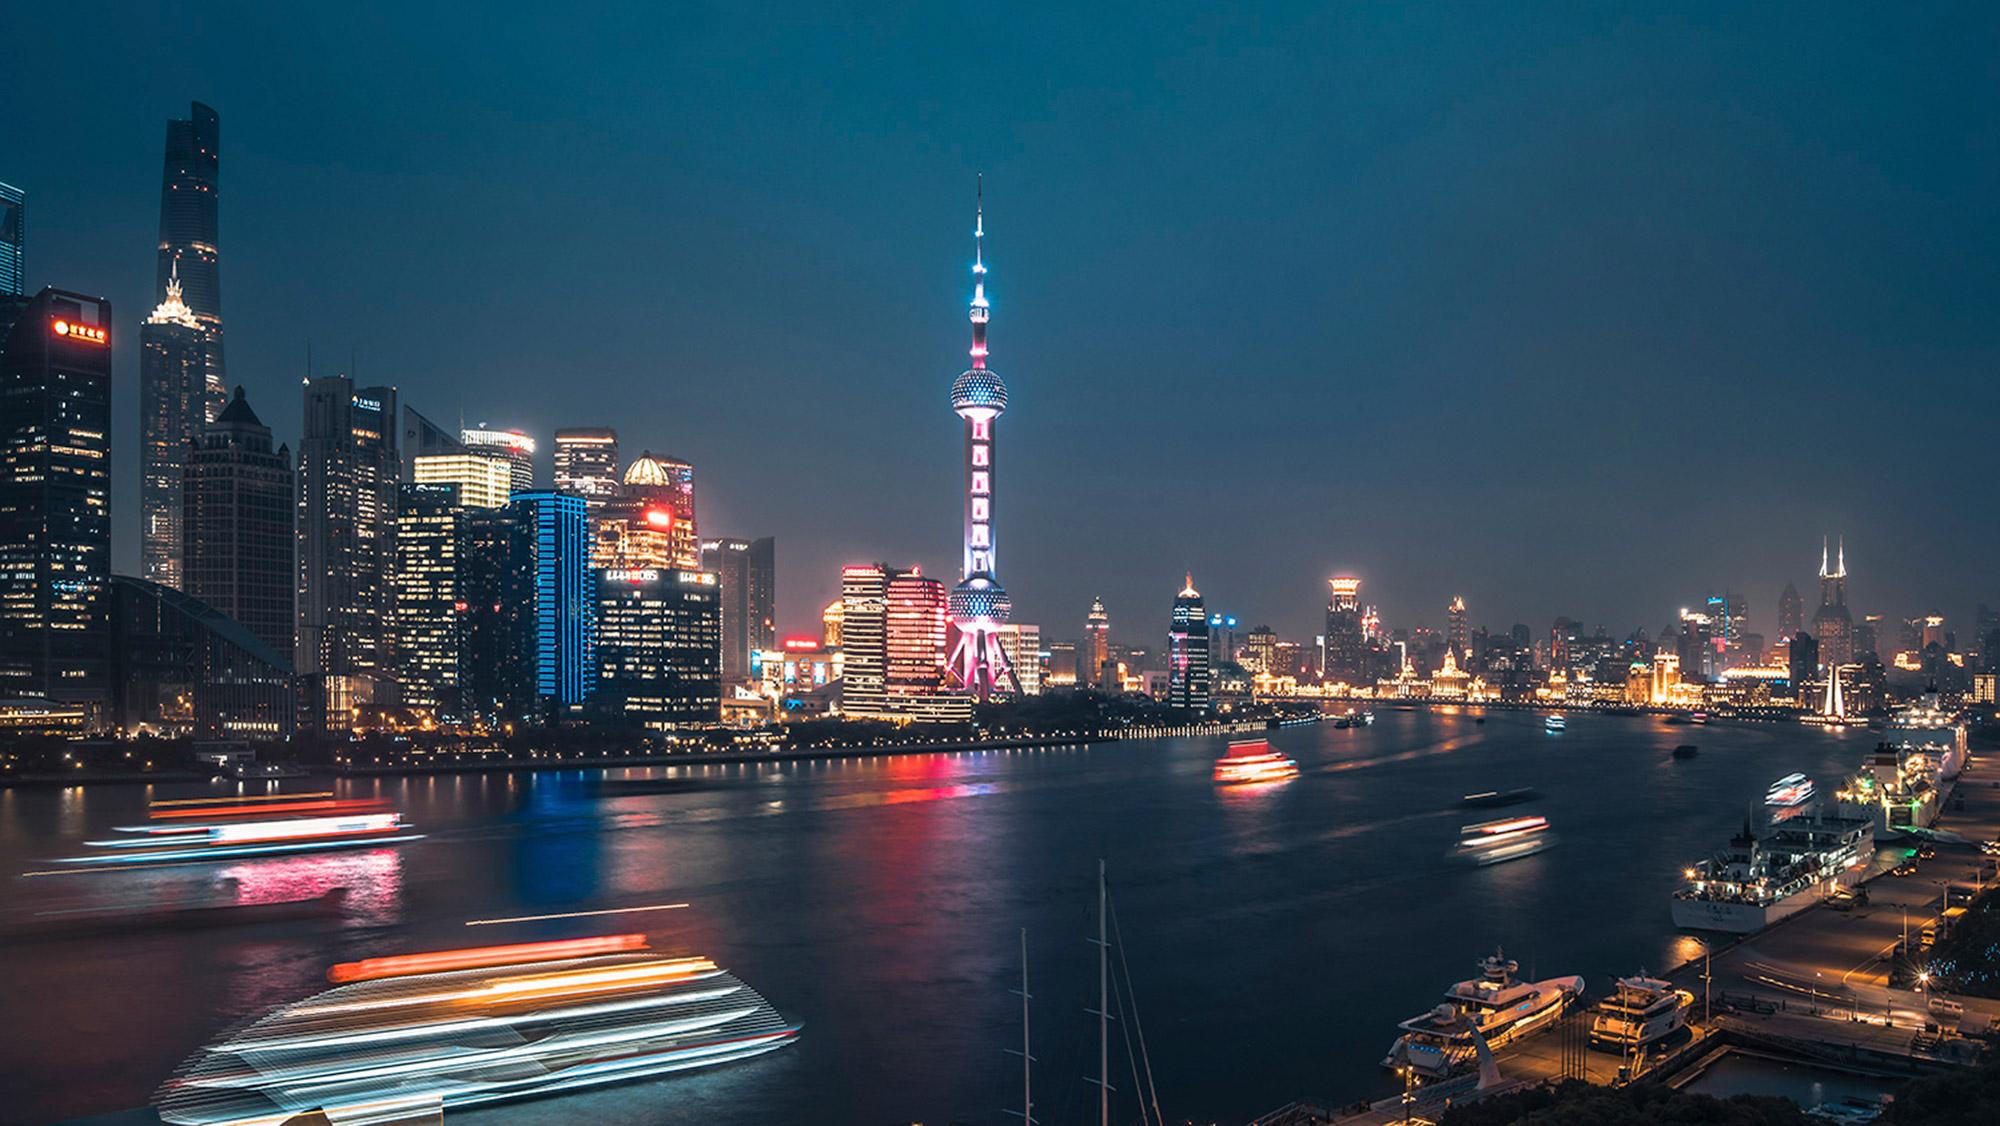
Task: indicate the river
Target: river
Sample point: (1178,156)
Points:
(1274,935)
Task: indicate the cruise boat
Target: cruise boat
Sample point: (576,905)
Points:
(1790,791)
(1439,1042)
(204,829)
(1491,842)
(409,1037)
(1641,1012)
(1253,760)
(1757,881)
(1554,723)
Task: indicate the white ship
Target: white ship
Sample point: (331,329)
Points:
(1491,842)
(1439,1042)
(1757,881)
(1554,723)
(1641,1012)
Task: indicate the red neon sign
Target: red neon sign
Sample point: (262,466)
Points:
(81,333)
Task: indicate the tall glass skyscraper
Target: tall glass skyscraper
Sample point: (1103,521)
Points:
(1187,651)
(348,463)
(241,505)
(587,463)
(13,240)
(55,499)
(189,246)
(749,570)
(174,410)
(562,596)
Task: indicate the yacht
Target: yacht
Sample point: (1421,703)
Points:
(406,1037)
(1491,842)
(1496,1007)
(1554,723)
(1757,881)
(1253,760)
(1641,1012)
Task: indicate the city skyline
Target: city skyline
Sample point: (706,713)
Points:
(315,217)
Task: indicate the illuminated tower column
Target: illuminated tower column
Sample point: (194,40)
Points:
(979,606)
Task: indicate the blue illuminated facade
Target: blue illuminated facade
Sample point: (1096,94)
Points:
(561,599)
(13,241)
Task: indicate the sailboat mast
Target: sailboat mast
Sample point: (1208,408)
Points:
(1103,1007)
(1027,1069)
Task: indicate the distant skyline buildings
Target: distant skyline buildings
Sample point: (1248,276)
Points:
(586,463)
(1833,625)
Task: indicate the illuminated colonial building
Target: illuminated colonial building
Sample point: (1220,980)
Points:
(237,555)
(174,409)
(55,524)
(1833,626)
(481,481)
(586,460)
(1187,651)
(979,604)
(510,446)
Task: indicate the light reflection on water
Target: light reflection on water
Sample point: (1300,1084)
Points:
(1275,936)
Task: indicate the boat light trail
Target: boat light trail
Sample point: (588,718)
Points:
(481,957)
(575,915)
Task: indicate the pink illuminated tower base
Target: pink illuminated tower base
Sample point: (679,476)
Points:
(979,605)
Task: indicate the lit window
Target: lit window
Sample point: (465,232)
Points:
(981,483)
(979,454)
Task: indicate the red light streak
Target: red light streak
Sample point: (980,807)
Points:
(356,805)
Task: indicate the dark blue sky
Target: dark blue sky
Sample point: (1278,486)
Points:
(1573,312)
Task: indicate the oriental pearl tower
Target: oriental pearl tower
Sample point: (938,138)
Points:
(979,606)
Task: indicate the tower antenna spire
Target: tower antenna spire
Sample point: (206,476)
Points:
(979,308)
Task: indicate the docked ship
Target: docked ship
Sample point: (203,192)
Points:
(1757,881)
(1439,1042)
(1641,1012)
(1491,842)
(410,1036)
(1253,760)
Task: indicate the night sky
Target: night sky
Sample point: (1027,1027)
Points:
(1576,312)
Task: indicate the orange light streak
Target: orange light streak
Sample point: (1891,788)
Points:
(478,957)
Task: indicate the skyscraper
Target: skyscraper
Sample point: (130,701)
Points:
(510,446)
(1023,644)
(238,545)
(586,460)
(916,682)
(428,601)
(749,571)
(1458,629)
(1346,643)
(174,410)
(864,609)
(659,645)
(348,464)
(562,596)
(662,488)
(189,242)
(55,503)
(1096,645)
(979,605)
(1187,651)
(13,240)
(1833,626)
(496,673)
(482,481)
(1791,612)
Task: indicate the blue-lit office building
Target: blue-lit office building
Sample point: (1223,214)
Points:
(13,240)
(561,595)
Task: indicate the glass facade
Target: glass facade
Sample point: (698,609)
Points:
(185,667)
(659,634)
(13,241)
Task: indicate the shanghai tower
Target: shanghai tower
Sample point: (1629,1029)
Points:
(188,235)
(979,606)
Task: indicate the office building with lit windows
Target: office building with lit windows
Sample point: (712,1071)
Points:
(659,646)
(510,446)
(1187,651)
(916,681)
(183,667)
(239,505)
(1023,646)
(749,578)
(428,604)
(586,463)
(13,240)
(864,625)
(1346,641)
(481,481)
(174,410)
(55,503)
(348,469)
(555,529)
(1096,655)
(663,489)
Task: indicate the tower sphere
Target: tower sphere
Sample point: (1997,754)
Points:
(979,597)
(978,388)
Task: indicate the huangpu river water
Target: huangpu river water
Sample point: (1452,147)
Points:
(1274,935)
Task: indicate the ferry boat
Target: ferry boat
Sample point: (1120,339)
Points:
(1757,881)
(1554,723)
(1641,1012)
(1439,1043)
(1491,842)
(204,829)
(408,1037)
(1686,750)
(1253,760)
(1790,791)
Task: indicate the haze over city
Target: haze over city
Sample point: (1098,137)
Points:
(1582,313)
